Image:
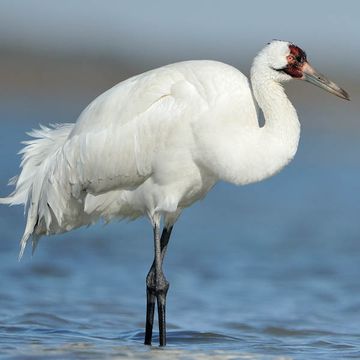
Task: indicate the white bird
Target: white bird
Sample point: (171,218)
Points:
(156,143)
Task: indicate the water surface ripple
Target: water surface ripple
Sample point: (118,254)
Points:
(267,271)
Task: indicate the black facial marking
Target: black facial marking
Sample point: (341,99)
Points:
(298,53)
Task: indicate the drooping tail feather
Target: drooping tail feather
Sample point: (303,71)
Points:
(37,165)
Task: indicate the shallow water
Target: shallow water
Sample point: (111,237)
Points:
(267,271)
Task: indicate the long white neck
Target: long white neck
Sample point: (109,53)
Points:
(233,145)
(279,137)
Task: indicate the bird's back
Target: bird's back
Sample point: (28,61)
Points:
(120,132)
(127,100)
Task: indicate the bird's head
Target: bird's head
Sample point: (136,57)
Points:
(286,61)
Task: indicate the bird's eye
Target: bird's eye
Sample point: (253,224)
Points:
(298,58)
(290,58)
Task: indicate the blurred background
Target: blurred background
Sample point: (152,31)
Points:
(263,271)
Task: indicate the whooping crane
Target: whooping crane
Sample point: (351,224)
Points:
(156,143)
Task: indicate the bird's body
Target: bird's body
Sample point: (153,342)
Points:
(156,143)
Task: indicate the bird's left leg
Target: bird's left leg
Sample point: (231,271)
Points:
(157,285)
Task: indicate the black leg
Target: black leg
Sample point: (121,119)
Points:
(150,309)
(157,287)
(165,237)
(161,302)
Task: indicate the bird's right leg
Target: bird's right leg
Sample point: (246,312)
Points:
(150,285)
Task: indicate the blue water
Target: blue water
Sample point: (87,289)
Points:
(266,271)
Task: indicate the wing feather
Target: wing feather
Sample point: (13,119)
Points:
(116,138)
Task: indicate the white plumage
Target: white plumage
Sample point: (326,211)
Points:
(135,150)
(156,143)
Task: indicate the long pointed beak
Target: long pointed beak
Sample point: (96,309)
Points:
(312,76)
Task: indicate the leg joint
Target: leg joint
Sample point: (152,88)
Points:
(158,284)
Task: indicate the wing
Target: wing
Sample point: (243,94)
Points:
(118,136)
